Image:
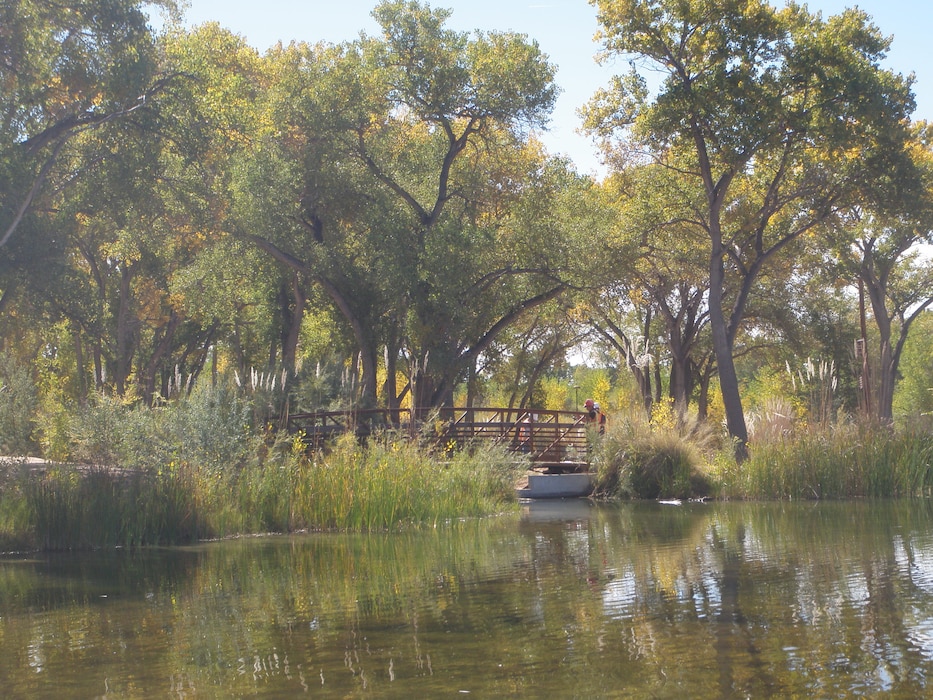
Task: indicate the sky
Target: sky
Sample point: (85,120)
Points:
(564,30)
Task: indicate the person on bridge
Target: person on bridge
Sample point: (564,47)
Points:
(594,417)
(600,418)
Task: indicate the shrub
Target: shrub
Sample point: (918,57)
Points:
(387,485)
(18,403)
(657,460)
(209,428)
(97,429)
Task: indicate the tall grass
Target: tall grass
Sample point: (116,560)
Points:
(71,508)
(661,457)
(665,458)
(14,514)
(389,484)
(393,483)
(850,461)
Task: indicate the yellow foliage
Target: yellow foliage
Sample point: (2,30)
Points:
(715,411)
(663,417)
(400,381)
(601,391)
(556,394)
(152,302)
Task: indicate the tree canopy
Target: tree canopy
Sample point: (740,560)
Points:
(780,118)
(376,223)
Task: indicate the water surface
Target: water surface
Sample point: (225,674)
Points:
(566,599)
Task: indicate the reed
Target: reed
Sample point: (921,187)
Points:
(390,484)
(846,462)
(14,513)
(73,508)
(393,483)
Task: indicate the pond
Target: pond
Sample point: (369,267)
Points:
(566,599)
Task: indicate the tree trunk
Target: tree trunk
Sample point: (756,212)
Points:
(292,315)
(680,383)
(126,331)
(5,299)
(79,368)
(98,366)
(728,380)
(703,396)
(389,389)
(422,385)
(886,379)
(162,350)
(887,368)
(471,385)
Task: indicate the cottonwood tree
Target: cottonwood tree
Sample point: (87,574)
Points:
(881,245)
(403,181)
(663,284)
(778,116)
(914,396)
(254,307)
(142,217)
(66,67)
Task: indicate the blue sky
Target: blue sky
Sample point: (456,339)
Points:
(564,30)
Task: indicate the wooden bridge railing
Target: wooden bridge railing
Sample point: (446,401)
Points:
(320,426)
(550,438)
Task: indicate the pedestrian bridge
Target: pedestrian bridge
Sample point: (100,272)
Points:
(555,441)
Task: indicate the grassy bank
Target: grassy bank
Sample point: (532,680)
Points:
(386,486)
(849,461)
(661,459)
(658,458)
(207,466)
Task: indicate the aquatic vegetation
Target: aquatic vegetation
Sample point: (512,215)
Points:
(385,485)
(850,461)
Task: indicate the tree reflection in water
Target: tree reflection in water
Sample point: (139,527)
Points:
(564,600)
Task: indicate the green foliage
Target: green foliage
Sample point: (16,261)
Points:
(392,483)
(851,461)
(15,526)
(776,118)
(202,476)
(18,404)
(70,66)
(366,191)
(326,385)
(805,391)
(399,176)
(97,430)
(209,428)
(914,393)
(78,509)
(640,460)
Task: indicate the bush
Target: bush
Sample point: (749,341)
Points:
(653,460)
(96,431)
(18,404)
(389,484)
(210,428)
